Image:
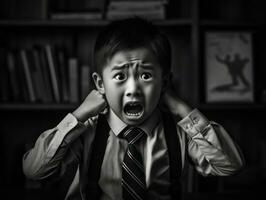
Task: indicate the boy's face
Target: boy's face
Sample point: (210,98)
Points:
(132,84)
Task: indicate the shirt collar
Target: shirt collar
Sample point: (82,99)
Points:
(117,125)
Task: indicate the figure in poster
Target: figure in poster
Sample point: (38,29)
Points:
(235,68)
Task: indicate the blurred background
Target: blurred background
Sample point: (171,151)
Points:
(218,65)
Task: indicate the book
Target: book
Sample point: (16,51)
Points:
(35,79)
(38,78)
(27,74)
(76,5)
(61,59)
(77,9)
(85,81)
(12,73)
(21,77)
(157,14)
(140,1)
(53,72)
(128,5)
(44,72)
(94,4)
(26,9)
(146,9)
(73,79)
(77,16)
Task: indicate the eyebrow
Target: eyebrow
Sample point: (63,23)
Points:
(119,67)
(147,66)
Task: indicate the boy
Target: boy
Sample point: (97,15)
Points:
(124,144)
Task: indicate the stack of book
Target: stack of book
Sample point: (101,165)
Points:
(149,9)
(42,74)
(77,9)
(26,9)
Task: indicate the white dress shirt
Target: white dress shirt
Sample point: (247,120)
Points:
(208,145)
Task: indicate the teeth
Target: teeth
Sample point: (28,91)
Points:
(133,114)
(133,109)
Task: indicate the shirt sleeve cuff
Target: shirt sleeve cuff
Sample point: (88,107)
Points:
(63,128)
(195,122)
(67,123)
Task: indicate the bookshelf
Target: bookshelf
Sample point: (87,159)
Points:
(36,106)
(185,23)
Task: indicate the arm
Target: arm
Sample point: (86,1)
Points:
(211,149)
(47,157)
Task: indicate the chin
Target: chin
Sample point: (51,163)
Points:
(133,122)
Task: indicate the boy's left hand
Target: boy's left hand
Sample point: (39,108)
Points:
(175,105)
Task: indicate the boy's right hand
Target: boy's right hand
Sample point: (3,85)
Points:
(92,105)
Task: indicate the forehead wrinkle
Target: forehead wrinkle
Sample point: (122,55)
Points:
(135,64)
(141,64)
(126,65)
(120,66)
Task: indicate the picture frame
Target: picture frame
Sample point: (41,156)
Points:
(229,67)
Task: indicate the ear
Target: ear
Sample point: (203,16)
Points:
(98,81)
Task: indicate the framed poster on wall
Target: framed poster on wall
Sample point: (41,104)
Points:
(228,67)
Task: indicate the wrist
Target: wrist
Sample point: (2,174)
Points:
(184,110)
(80,115)
(181,108)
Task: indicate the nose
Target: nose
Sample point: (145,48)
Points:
(132,88)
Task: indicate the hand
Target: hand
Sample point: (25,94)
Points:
(93,104)
(169,101)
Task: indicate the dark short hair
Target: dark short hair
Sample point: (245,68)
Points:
(128,34)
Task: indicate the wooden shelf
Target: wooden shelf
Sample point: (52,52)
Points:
(232,107)
(83,23)
(67,106)
(174,22)
(37,107)
(233,24)
(51,23)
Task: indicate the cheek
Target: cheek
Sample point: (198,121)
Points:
(153,93)
(113,94)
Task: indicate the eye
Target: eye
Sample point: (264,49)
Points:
(146,76)
(120,76)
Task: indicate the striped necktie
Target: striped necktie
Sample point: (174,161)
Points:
(133,176)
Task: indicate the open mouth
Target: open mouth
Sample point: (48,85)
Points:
(133,109)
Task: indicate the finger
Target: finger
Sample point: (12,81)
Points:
(98,93)
(105,110)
